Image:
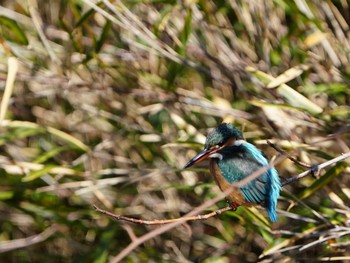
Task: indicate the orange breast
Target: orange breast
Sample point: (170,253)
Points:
(236,195)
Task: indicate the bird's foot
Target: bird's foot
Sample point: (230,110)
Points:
(232,204)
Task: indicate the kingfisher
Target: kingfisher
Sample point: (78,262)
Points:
(231,160)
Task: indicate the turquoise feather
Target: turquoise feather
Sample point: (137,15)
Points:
(237,159)
(239,162)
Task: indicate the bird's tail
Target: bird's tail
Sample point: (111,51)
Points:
(274,192)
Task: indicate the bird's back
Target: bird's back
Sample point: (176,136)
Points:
(237,163)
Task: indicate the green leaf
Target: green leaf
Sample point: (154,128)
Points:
(37,128)
(292,97)
(36,174)
(47,155)
(175,69)
(103,37)
(186,31)
(68,138)
(4,195)
(295,99)
(323,180)
(10,30)
(18,133)
(86,16)
(164,16)
(329,88)
(102,257)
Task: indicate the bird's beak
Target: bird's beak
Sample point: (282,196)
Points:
(200,157)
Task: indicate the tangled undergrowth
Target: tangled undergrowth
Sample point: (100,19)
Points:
(104,102)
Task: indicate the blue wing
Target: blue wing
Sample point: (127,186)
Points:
(263,190)
(269,179)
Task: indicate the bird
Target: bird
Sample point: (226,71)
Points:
(231,160)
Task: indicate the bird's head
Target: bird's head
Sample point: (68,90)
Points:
(222,136)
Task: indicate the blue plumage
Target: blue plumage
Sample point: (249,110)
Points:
(236,159)
(239,162)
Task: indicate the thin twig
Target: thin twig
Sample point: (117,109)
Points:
(316,168)
(37,21)
(27,241)
(162,229)
(135,243)
(278,149)
(162,221)
(216,212)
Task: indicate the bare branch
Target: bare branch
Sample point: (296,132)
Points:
(191,216)
(28,241)
(216,212)
(195,211)
(278,149)
(316,168)
(162,221)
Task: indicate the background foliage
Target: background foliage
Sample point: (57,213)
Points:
(112,98)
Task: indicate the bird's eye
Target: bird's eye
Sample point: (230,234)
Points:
(220,144)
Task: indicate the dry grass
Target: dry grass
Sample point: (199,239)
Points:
(111,99)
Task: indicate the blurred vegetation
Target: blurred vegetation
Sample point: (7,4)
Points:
(111,99)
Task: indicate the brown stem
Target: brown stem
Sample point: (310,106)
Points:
(162,221)
(224,209)
(278,149)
